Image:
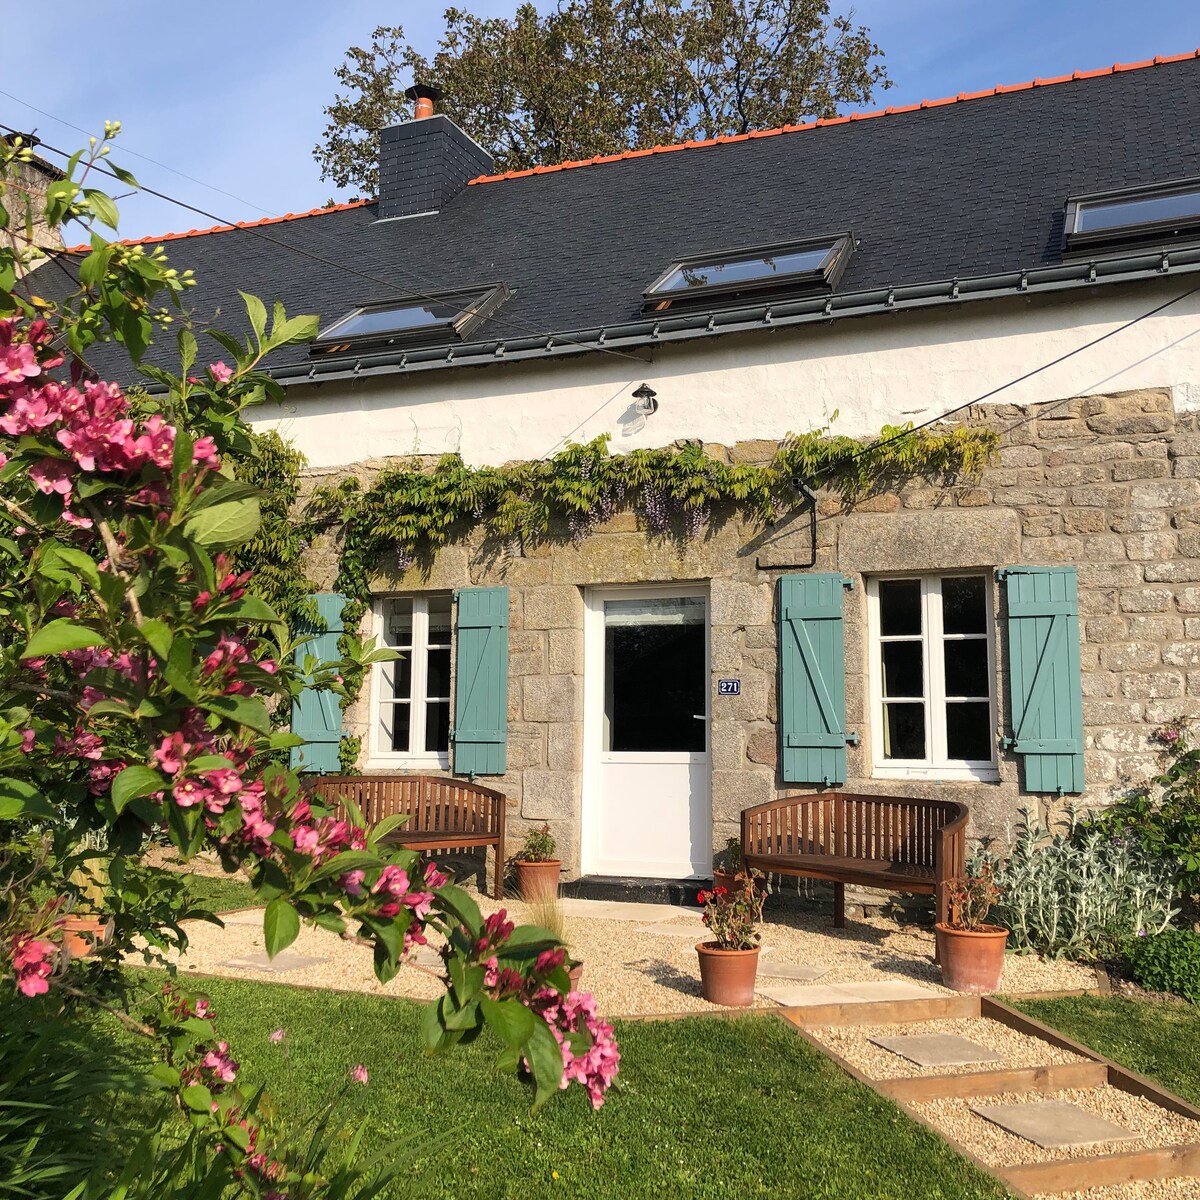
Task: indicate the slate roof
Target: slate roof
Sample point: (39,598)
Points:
(960,189)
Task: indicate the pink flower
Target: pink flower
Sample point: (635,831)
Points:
(597,1067)
(305,838)
(352,883)
(220,372)
(18,363)
(172,752)
(359,1074)
(52,475)
(27,739)
(220,1063)
(204,453)
(433,877)
(276,1036)
(31,960)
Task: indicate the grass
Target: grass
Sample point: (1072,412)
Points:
(1147,1036)
(220,893)
(707,1108)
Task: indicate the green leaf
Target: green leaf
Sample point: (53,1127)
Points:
(187,350)
(431,1025)
(62,634)
(510,1020)
(257,312)
(226,524)
(545,1062)
(295,329)
(158,637)
(348,860)
(134,782)
(18,798)
(244,710)
(281,926)
(460,906)
(251,608)
(103,207)
(197,1097)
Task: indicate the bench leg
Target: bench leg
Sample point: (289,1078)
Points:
(498,883)
(839,906)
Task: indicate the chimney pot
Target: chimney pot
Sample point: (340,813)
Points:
(424,98)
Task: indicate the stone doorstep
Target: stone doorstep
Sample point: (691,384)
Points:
(789,971)
(621,910)
(1053,1123)
(693,933)
(937,1049)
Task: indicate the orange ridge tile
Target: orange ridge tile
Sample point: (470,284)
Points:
(725,139)
(171,237)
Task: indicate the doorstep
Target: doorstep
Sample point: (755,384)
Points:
(678,892)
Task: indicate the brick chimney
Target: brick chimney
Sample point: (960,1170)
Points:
(25,196)
(427,161)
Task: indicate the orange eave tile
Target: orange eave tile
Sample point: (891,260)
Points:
(820,122)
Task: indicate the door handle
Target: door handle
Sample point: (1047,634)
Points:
(699,717)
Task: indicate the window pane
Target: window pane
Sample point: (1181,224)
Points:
(439,621)
(397,679)
(438,683)
(393,727)
(967,668)
(397,623)
(903,669)
(741,270)
(437,725)
(1138,210)
(968,732)
(964,605)
(904,731)
(400,318)
(899,607)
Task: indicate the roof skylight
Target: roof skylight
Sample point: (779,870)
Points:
(811,265)
(1131,216)
(412,320)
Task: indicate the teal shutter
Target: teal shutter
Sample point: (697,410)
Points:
(317,713)
(481,682)
(812,679)
(1044,676)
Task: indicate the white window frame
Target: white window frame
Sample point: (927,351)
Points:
(937,765)
(377,756)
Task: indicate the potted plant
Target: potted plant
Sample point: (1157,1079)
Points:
(547,912)
(729,963)
(537,868)
(731,875)
(970,951)
(84,930)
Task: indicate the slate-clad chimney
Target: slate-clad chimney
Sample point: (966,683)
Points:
(426,161)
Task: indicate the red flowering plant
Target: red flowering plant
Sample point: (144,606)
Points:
(732,915)
(139,671)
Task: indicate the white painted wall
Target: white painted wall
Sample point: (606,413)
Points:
(870,371)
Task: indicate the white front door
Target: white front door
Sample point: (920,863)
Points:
(647,807)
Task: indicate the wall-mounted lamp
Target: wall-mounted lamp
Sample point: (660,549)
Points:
(647,400)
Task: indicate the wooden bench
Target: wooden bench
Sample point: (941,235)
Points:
(443,814)
(890,842)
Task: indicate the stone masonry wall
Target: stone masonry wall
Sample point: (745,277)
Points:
(1110,484)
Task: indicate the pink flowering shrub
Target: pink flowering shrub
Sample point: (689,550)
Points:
(139,674)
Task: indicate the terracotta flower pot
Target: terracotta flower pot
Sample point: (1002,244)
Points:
(727,976)
(81,936)
(576,975)
(971,960)
(538,880)
(729,880)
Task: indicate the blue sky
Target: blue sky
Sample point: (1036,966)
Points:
(232,93)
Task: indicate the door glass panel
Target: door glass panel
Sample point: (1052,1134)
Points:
(437,725)
(967,667)
(964,605)
(439,620)
(903,668)
(397,623)
(394,721)
(900,607)
(655,675)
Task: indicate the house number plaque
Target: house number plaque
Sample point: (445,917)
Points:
(729,687)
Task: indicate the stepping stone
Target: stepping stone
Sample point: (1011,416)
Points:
(848,993)
(245,916)
(938,1049)
(1053,1123)
(788,971)
(426,958)
(279,965)
(694,933)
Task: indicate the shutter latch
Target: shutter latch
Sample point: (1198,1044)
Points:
(852,738)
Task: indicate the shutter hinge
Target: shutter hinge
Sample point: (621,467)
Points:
(450,735)
(852,738)
(1002,573)
(1007,743)
(848,583)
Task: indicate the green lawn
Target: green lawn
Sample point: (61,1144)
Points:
(1153,1038)
(220,893)
(707,1108)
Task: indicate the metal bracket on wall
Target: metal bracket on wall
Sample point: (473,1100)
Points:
(811,497)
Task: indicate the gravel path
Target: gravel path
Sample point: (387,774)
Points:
(630,970)
(1154,1189)
(1019,1049)
(1155,1126)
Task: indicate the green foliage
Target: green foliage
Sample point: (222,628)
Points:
(590,77)
(733,915)
(411,511)
(1079,893)
(349,749)
(1164,816)
(539,845)
(1168,962)
(972,897)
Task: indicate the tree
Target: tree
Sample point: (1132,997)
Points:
(603,76)
(137,664)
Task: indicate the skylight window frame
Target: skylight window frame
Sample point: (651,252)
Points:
(1120,237)
(482,302)
(825,275)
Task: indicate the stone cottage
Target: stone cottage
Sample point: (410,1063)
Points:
(1022,260)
